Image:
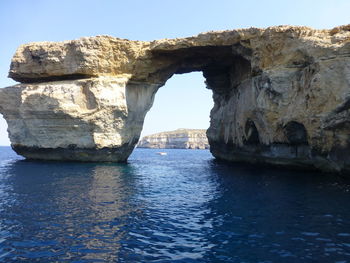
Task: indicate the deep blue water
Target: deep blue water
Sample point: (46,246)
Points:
(183,207)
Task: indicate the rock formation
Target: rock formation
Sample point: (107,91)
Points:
(281,95)
(178,139)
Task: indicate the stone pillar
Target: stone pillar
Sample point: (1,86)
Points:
(95,119)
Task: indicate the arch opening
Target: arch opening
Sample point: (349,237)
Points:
(182,103)
(224,68)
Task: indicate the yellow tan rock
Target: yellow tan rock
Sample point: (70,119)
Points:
(281,94)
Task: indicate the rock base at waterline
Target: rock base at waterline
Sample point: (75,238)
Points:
(119,154)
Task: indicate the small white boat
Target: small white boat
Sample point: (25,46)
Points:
(162,153)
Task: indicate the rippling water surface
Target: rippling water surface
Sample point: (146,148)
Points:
(182,207)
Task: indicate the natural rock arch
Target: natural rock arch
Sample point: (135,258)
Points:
(103,87)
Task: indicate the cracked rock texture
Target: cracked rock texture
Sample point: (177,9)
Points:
(281,95)
(178,139)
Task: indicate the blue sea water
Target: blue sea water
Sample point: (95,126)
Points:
(182,207)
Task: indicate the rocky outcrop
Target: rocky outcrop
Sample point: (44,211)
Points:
(281,95)
(94,119)
(178,139)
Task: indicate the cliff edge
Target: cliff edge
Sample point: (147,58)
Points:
(281,95)
(178,139)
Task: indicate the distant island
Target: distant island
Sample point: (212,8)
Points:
(178,139)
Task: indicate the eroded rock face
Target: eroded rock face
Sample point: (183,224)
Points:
(178,139)
(95,119)
(281,95)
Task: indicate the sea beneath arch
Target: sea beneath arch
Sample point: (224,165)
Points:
(180,207)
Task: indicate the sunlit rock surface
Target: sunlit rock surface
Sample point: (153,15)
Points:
(178,139)
(281,95)
(95,119)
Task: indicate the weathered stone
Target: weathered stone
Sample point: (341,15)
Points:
(178,139)
(281,94)
(91,115)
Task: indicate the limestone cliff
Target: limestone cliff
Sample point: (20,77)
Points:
(95,119)
(281,95)
(178,139)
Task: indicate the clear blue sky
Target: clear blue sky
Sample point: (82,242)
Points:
(183,101)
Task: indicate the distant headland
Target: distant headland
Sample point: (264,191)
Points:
(178,139)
